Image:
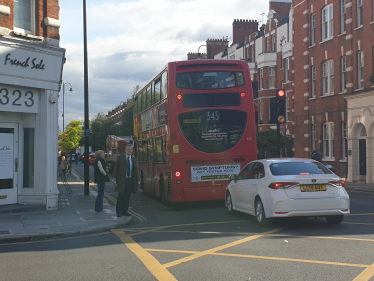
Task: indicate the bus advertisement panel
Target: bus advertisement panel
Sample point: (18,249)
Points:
(194,127)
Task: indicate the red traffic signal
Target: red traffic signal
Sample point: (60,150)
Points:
(281,93)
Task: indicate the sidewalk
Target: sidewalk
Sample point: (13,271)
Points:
(75,216)
(359,186)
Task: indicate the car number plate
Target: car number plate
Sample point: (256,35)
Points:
(314,187)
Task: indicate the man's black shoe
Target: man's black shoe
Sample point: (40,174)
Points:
(118,215)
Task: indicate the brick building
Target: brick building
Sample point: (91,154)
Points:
(117,113)
(331,40)
(30,80)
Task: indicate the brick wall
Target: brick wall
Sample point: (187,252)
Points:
(328,108)
(242,28)
(282,9)
(43,9)
(215,46)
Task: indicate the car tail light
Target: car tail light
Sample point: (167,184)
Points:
(177,174)
(281,213)
(337,183)
(279,185)
(304,173)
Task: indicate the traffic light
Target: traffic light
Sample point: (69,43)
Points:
(278,107)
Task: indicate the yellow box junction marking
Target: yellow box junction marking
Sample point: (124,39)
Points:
(153,265)
(216,249)
(366,275)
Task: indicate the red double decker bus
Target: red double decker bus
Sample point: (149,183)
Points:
(194,126)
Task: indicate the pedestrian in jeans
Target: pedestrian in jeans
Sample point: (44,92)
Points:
(64,165)
(100,177)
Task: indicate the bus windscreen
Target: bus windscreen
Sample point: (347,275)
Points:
(213,131)
(210,80)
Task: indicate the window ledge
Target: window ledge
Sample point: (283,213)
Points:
(328,159)
(312,98)
(357,28)
(343,160)
(372,22)
(311,46)
(326,40)
(28,36)
(372,86)
(342,93)
(327,95)
(341,34)
(287,82)
(359,89)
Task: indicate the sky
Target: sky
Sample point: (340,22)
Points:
(129,41)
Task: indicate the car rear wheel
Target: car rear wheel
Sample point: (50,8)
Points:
(335,219)
(229,203)
(260,212)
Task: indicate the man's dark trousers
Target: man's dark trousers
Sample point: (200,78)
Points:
(123,198)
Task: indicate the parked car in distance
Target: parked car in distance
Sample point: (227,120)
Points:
(91,159)
(292,187)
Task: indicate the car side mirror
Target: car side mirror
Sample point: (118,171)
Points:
(234,177)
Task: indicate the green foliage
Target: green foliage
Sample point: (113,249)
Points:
(69,140)
(268,138)
(100,128)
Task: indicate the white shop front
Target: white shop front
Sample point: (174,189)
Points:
(30,79)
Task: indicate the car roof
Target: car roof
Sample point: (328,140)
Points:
(285,160)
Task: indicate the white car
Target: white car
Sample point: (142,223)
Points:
(274,188)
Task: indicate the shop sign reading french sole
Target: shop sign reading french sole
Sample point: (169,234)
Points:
(34,65)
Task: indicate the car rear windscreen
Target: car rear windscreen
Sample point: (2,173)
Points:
(298,168)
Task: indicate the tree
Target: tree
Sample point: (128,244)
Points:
(69,140)
(267,139)
(101,127)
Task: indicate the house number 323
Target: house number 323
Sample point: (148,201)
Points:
(6,98)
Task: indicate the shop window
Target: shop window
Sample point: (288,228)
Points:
(343,16)
(267,44)
(24,16)
(343,70)
(261,78)
(359,13)
(312,29)
(344,140)
(328,140)
(327,22)
(28,157)
(273,43)
(313,90)
(328,77)
(360,69)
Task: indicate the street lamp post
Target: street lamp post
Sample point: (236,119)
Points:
(63,103)
(86,108)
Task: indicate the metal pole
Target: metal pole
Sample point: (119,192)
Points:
(86,114)
(278,140)
(63,107)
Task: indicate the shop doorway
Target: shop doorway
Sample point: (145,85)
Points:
(362,159)
(8,163)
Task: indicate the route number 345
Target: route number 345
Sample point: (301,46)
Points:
(14,98)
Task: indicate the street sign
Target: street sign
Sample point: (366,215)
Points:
(281,119)
(87,132)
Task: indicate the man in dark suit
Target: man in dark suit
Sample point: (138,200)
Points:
(125,177)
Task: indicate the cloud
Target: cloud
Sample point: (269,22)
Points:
(130,41)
